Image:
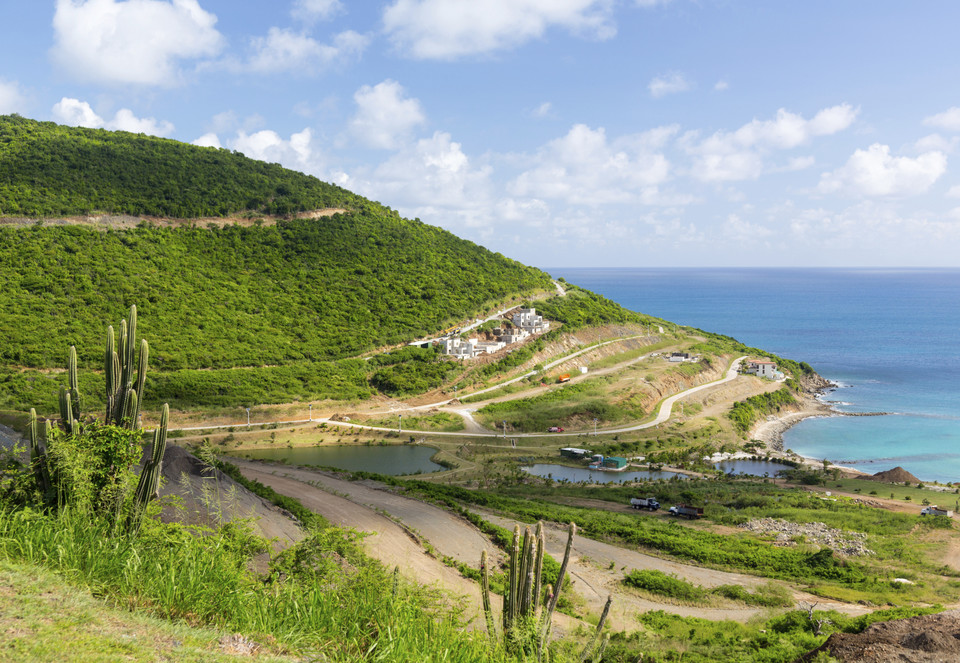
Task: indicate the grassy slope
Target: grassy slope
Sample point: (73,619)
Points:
(42,617)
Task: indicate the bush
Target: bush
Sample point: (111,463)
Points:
(660,583)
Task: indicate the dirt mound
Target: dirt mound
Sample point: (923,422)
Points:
(926,639)
(207,496)
(896,475)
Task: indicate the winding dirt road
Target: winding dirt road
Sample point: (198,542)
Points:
(399,524)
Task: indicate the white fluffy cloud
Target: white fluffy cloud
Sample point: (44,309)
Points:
(297,153)
(208,140)
(78,113)
(385,116)
(948,120)
(136,41)
(286,50)
(875,172)
(583,167)
(447,29)
(12,99)
(666,84)
(313,10)
(739,155)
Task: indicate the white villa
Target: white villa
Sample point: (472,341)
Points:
(763,369)
(528,320)
(525,322)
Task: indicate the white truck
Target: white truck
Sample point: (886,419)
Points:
(933,510)
(644,503)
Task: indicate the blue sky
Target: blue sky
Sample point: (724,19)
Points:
(557,132)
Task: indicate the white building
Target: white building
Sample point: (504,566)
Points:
(459,348)
(528,320)
(510,334)
(489,346)
(763,369)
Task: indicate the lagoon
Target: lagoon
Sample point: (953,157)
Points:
(394,459)
(577,474)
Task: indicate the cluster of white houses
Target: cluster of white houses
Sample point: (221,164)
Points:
(525,323)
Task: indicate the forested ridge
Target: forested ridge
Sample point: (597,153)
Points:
(295,294)
(47,170)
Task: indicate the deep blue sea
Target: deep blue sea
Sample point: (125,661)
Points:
(890,337)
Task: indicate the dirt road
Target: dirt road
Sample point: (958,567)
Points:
(597,569)
(449,534)
(368,506)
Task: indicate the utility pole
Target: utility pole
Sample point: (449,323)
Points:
(504,429)
(248,416)
(400,423)
(311,411)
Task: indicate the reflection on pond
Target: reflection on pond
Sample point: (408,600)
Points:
(577,474)
(757,468)
(394,459)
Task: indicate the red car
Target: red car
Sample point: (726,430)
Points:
(555,429)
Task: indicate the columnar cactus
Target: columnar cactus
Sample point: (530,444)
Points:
(125,379)
(124,395)
(149,483)
(38,459)
(522,598)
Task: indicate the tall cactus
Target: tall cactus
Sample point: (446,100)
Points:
(149,483)
(125,369)
(522,598)
(124,395)
(485,596)
(547,620)
(38,458)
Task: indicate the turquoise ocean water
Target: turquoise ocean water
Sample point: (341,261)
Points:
(889,337)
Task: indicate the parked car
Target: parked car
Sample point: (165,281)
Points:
(555,429)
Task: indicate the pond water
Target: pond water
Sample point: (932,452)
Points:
(575,474)
(756,468)
(394,459)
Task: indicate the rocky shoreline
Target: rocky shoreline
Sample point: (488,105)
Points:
(771,431)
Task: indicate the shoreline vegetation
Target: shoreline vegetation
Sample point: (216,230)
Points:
(771,430)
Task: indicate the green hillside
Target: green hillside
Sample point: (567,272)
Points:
(286,302)
(47,169)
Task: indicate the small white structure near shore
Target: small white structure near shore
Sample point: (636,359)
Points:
(763,368)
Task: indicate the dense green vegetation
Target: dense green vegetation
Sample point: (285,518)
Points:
(747,412)
(282,301)
(47,169)
(303,290)
(582,308)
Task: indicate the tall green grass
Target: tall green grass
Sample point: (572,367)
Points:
(323,598)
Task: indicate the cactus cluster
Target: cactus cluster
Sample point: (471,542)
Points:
(123,394)
(526,605)
(124,383)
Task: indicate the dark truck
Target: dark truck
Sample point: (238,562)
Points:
(687,511)
(644,503)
